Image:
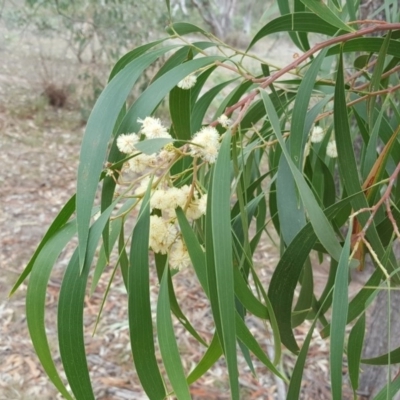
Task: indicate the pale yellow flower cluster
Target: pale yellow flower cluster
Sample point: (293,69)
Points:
(164,234)
(317,134)
(152,128)
(165,237)
(331,150)
(169,199)
(205,144)
(188,82)
(224,121)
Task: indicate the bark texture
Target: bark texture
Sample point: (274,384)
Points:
(374,378)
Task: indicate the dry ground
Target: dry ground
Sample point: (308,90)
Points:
(39,148)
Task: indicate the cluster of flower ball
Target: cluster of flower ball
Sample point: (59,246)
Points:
(164,233)
(205,144)
(317,135)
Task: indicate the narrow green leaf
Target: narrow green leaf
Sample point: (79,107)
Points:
(36,300)
(290,209)
(328,286)
(296,378)
(201,106)
(388,392)
(139,308)
(302,36)
(210,264)
(153,95)
(222,244)
(167,2)
(128,57)
(245,336)
(339,318)
(151,146)
(287,273)
(70,329)
(196,253)
(377,75)
(184,28)
(61,219)
(182,55)
(357,305)
(70,313)
(168,346)
(296,22)
(210,357)
(297,374)
(284,9)
(247,298)
(370,152)
(324,12)
(96,138)
(123,257)
(368,44)
(115,229)
(348,167)
(306,295)
(180,105)
(384,359)
(161,261)
(298,131)
(351,9)
(321,225)
(354,350)
(284,281)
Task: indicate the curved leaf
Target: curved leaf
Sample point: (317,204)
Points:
(324,12)
(296,22)
(61,219)
(369,44)
(322,227)
(222,245)
(184,28)
(70,314)
(96,138)
(354,349)
(167,341)
(36,300)
(339,318)
(139,309)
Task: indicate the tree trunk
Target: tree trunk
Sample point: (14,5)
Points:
(217,15)
(374,378)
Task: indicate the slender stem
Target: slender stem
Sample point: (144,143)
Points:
(319,46)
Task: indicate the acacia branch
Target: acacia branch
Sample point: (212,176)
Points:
(385,198)
(265,82)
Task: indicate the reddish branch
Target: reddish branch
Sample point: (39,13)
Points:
(385,198)
(265,82)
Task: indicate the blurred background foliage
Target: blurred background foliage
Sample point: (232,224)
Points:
(97,33)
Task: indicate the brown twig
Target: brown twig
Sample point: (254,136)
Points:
(374,209)
(385,75)
(361,99)
(319,46)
